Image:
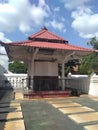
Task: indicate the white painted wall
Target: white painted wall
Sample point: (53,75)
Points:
(93,88)
(80,83)
(45,69)
(17,81)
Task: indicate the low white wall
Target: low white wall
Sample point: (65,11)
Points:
(79,82)
(16,81)
(88,85)
(93,88)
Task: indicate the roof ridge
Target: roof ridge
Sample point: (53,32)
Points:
(38,33)
(56,35)
(42,33)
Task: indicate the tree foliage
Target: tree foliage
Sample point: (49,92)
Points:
(71,66)
(18,67)
(90,62)
(93,42)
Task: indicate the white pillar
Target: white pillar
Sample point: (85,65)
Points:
(32,67)
(93,87)
(29,75)
(63,75)
(32,73)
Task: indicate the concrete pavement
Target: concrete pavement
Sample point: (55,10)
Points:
(11,117)
(81,111)
(69,113)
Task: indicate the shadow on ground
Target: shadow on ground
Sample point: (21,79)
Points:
(39,115)
(6,96)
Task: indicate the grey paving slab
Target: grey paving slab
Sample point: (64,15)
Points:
(40,115)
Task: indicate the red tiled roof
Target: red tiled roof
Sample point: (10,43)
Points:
(47,45)
(45,34)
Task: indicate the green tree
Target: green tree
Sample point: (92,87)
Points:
(18,67)
(72,66)
(90,62)
(93,42)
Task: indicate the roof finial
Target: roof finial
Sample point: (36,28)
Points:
(44,28)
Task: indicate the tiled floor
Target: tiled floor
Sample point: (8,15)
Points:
(75,110)
(91,127)
(12,125)
(84,115)
(68,104)
(11,117)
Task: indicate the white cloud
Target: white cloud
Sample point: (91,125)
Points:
(2,49)
(73,4)
(57,25)
(4,61)
(38,14)
(85,22)
(56,9)
(21,14)
(3,38)
(3,58)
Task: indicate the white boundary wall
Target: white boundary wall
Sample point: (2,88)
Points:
(93,88)
(79,82)
(16,81)
(88,85)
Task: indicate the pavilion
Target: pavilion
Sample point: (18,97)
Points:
(42,53)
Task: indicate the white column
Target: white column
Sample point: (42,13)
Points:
(63,81)
(28,75)
(32,73)
(93,87)
(32,67)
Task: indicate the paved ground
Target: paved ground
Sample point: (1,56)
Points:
(77,113)
(11,117)
(73,113)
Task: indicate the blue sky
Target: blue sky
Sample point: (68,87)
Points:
(74,20)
